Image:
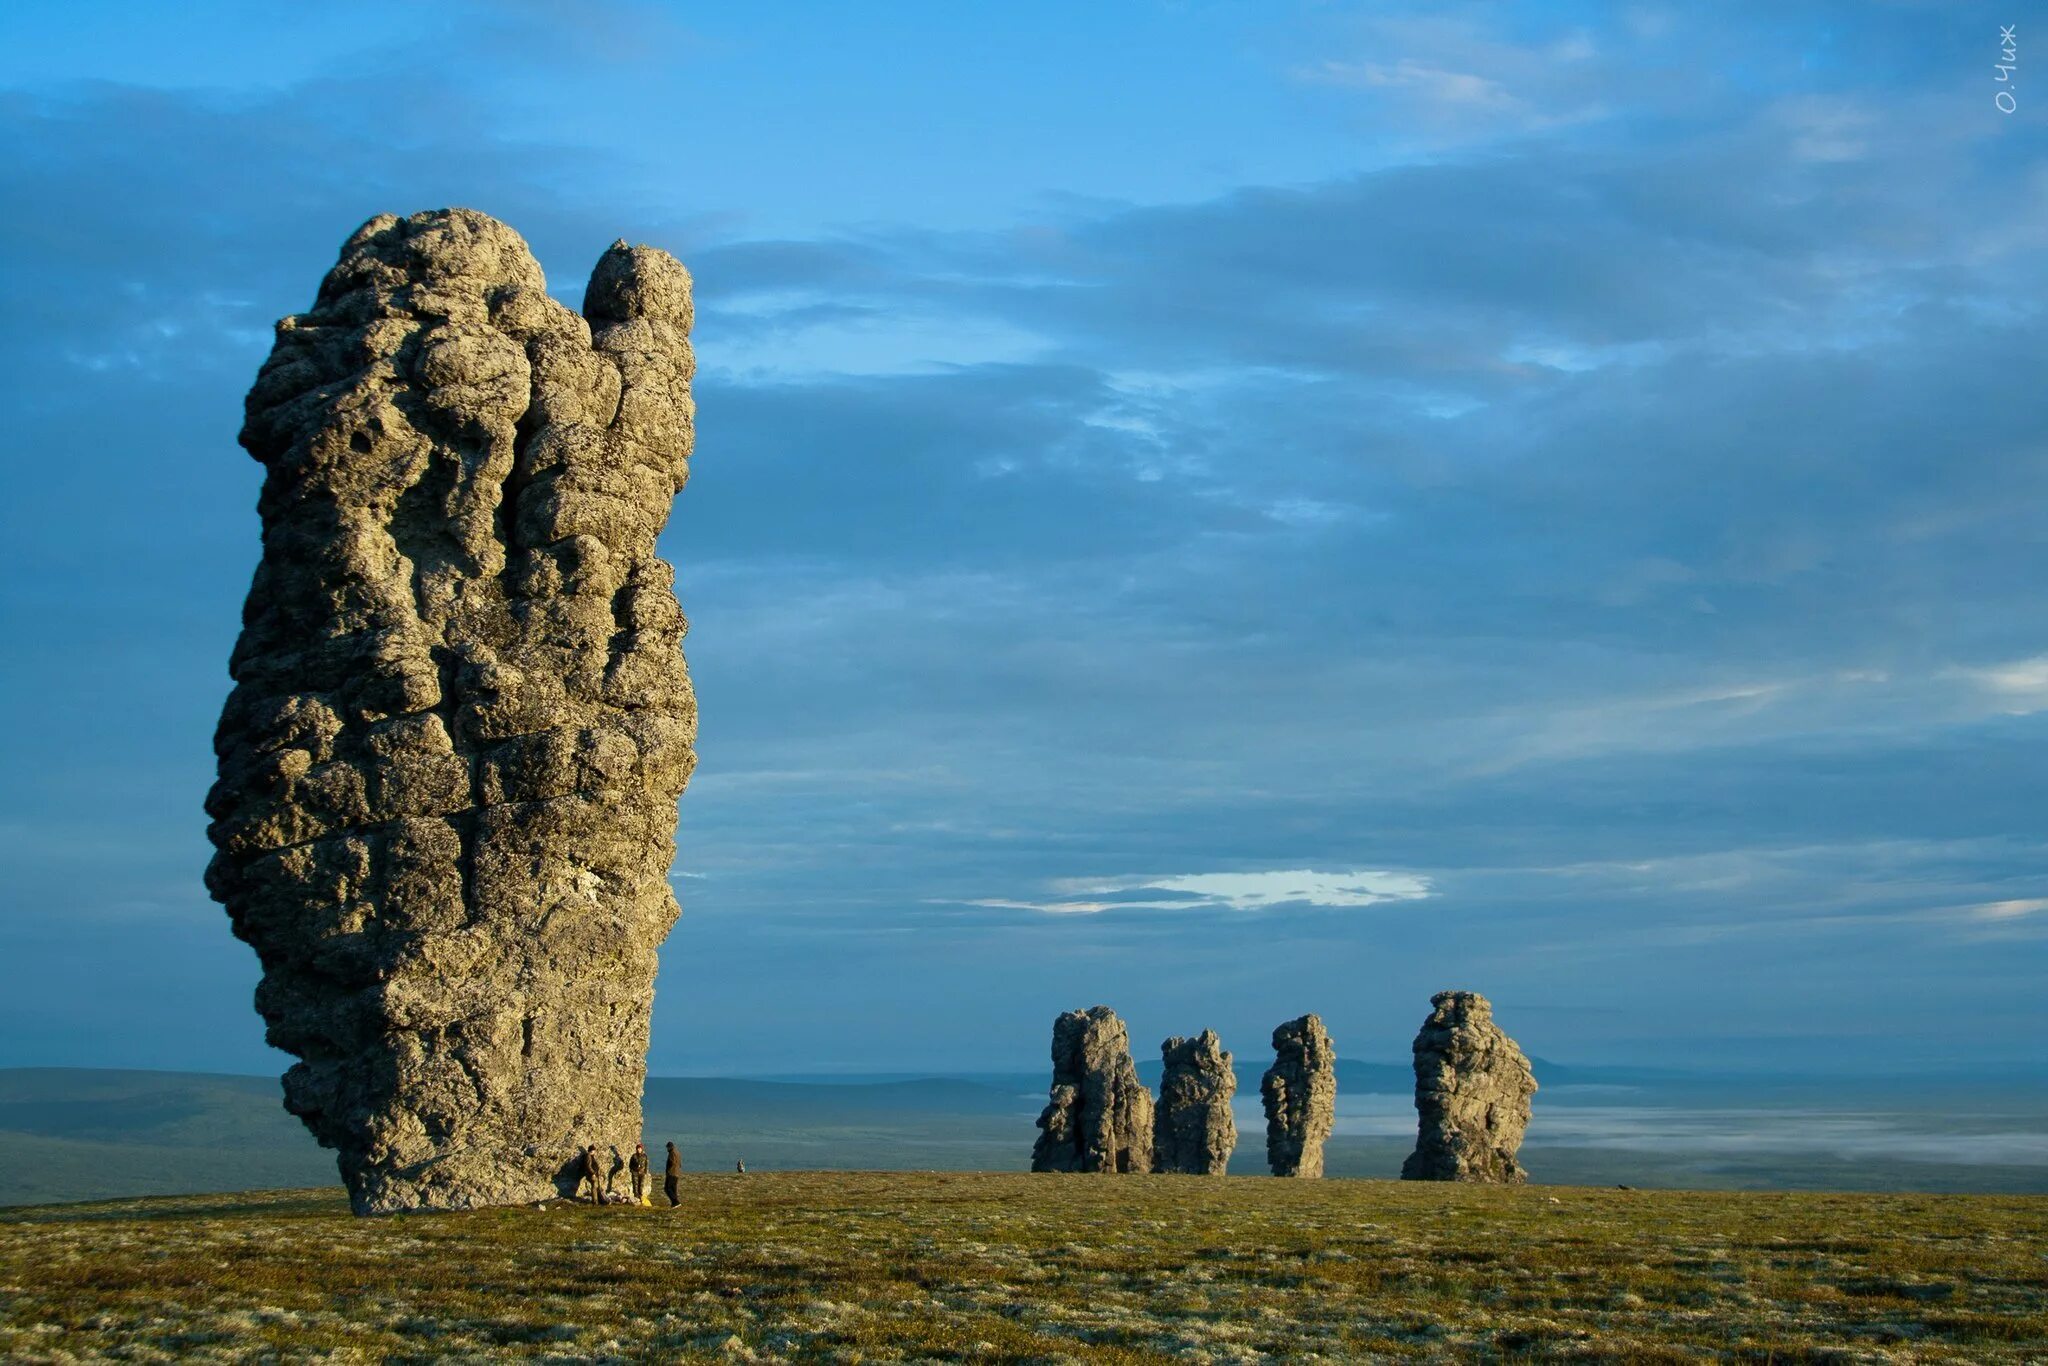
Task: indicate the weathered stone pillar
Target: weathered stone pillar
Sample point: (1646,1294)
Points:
(460,723)
(1472,1090)
(1300,1094)
(1193,1130)
(1099,1116)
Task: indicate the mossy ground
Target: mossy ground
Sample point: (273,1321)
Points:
(840,1266)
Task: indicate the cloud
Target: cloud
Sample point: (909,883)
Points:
(1451,78)
(2009,910)
(2020,686)
(1434,84)
(1257,891)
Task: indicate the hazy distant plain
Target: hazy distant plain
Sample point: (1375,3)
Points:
(69,1134)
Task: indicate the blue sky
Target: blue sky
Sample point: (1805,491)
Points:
(1223,510)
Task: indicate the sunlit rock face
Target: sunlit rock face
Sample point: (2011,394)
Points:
(449,766)
(1099,1115)
(1472,1090)
(1192,1128)
(1300,1095)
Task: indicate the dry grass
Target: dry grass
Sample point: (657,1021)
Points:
(922,1266)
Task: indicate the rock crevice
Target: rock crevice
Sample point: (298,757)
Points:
(460,720)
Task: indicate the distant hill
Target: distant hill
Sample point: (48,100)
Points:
(1363,1077)
(81,1134)
(812,1100)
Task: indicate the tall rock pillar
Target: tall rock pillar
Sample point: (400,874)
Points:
(1472,1090)
(460,719)
(1193,1130)
(1300,1094)
(1099,1115)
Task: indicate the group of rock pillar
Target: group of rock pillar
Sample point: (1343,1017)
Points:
(448,770)
(1472,1091)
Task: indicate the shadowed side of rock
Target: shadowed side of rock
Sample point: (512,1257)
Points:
(1193,1130)
(460,721)
(1472,1091)
(1099,1115)
(1300,1095)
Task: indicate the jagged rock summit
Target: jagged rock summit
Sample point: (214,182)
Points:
(1099,1116)
(1192,1129)
(1300,1095)
(449,766)
(1472,1090)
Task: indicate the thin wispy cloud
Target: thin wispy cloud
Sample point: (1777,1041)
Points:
(2018,687)
(2016,909)
(1254,891)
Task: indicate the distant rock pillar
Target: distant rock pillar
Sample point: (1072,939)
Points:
(1300,1093)
(1192,1130)
(1472,1090)
(1099,1116)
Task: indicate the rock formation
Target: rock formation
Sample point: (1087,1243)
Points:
(460,722)
(1192,1129)
(1099,1118)
(1472,1089)
(1300,1092)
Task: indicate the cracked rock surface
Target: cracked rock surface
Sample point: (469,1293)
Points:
(1472,1090)
(1192,1128)
(1099,1116)
(1300,1095)
(460,721)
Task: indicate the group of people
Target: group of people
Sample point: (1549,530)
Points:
(602,1183)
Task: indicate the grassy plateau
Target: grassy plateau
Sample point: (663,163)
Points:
(871,1266)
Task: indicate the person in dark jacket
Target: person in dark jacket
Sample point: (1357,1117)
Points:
(637,1165)
(593,1173)
(672,1177)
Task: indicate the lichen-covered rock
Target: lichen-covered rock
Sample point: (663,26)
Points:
(449,766)
(1300,1094)
(1099,1117)
(1192,1128)
(1472,1090)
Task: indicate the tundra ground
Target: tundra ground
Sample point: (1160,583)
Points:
(854,1266)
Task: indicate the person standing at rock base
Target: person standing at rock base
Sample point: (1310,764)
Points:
(637,1165)
(593,1174)
(672,1177)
